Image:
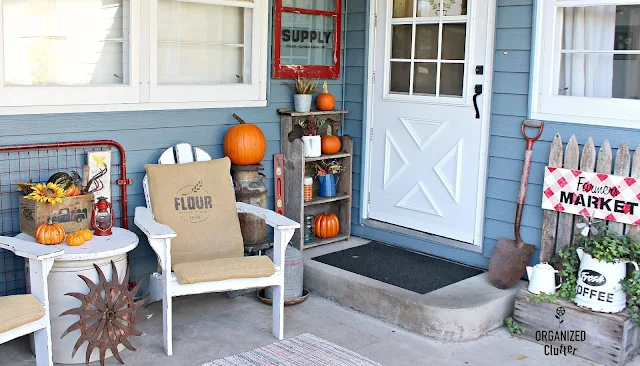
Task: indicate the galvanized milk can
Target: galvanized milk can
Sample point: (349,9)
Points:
(293,273)
(250,188)
(598,286)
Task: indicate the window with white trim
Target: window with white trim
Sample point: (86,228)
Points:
(122,54)
(587,62)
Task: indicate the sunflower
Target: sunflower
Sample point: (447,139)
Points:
(47,193)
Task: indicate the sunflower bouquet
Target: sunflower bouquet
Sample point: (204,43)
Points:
(46,193)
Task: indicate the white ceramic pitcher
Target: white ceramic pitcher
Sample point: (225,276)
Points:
(312,147)
(542,278)
(598,286)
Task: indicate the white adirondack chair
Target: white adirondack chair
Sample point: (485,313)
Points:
(166,287)
(24,314)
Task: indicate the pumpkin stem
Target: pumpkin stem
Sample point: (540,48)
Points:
(49,220)
(329,130)
(325,88)
(239,119)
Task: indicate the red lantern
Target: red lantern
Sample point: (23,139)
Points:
(102,218)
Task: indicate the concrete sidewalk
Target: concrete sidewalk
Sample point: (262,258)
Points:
(211,326)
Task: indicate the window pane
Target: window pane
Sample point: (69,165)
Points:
(454,7)
(453,41)
(400,74)
(428,8)
(66,42)
(424,78)
(402,8)
(427,41)
(327,5)
(401,41)
(451,79)
(601,52)
(306,39)
(203,44)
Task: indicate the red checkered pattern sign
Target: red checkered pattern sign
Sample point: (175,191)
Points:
(601,196)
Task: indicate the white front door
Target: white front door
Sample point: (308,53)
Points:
(426,140)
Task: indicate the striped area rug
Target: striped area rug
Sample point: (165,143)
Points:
(303,350)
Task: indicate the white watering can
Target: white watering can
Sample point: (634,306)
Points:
(542,278)
(598,286)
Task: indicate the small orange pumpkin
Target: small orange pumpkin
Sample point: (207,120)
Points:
(75,238)
(325,101)
(326,225)
(73,190)
(244,144)
(49,233)
(86,234)
(330,144)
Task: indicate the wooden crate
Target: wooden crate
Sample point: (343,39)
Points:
(73,213)
(609,339)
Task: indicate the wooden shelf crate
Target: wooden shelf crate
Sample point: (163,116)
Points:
(609,339)
(296,166)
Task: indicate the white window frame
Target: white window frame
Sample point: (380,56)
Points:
(144,93)
(562,108)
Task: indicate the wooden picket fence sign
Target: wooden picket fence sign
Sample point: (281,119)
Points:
(559,229)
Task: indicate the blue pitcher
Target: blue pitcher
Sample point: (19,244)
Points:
(328,185)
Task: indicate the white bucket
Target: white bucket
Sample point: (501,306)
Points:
(312,147)
(598,287)
(302,102)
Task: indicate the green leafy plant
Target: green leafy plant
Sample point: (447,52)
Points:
(631,287)
(304,86)
(328,167)
(542,297)
(513,327)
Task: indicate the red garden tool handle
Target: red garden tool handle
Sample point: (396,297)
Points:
(525,170)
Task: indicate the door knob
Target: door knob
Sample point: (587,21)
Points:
(478,91)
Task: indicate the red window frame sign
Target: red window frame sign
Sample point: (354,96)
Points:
(309,71)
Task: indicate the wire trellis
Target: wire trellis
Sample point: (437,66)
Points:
(38,163)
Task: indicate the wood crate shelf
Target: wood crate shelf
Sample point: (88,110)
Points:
(333,156)
(321,200)
(297,166)
(319,242)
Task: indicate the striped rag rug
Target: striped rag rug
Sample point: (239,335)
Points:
(303,350)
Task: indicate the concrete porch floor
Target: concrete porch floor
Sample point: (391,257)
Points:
(211,326)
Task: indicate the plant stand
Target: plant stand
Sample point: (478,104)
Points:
(297,166)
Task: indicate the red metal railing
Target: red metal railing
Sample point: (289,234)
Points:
(38,162)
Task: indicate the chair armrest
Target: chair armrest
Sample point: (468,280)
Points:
(273,219)
(29,249)
(153,229)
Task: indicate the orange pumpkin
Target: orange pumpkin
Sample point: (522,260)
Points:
(75,238)
(325,101)
(330,144)
(326,225)
(49,233)
(244,144)
(86,234)
(73,190)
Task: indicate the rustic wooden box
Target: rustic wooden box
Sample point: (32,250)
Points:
(73,213)
(609,339)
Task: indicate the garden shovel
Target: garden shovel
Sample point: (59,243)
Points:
(510,257)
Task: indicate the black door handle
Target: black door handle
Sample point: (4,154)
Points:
(478,91)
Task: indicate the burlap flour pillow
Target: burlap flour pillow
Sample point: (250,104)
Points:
(197,201)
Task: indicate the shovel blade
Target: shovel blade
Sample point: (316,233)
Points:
(509,262)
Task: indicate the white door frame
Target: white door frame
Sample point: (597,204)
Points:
(485,113)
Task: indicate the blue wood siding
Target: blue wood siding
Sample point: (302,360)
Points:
(146,134)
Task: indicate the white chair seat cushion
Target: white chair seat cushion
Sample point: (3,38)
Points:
(224,269)
(18,310)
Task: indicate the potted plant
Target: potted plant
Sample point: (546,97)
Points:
(303,90)
(326,172)
(594,271)
(311,138)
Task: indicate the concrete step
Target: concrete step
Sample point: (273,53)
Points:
(462,311)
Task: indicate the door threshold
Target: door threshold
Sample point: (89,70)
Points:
(422,235)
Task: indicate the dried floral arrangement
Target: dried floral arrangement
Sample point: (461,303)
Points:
(61,185)
(328,167)
(312,126)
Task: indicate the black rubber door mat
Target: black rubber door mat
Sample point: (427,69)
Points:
(399,267)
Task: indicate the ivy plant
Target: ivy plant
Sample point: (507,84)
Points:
(513,327)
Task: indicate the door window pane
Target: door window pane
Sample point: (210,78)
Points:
(454,7)
(402,8)
(66,42)
(451,79)
(428,8)
(400,75)
(306,39)
(453,41)
(401,41)
(327,5)
(202,44)
(424,78)
(599,55)
(427,41)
